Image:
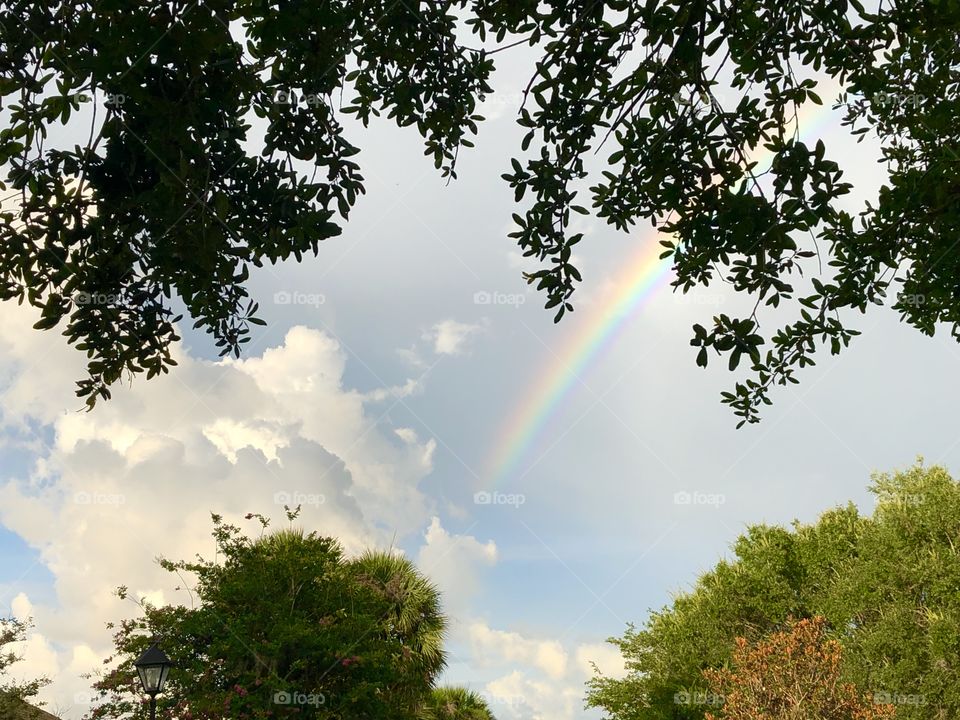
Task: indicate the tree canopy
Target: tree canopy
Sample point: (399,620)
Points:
(287,626)
(173,193)
(884,583)
(456,703)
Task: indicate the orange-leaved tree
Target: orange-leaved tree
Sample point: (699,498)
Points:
(790,675)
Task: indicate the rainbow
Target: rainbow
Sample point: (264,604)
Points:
(644,275)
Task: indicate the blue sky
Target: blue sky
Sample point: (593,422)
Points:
(384,388)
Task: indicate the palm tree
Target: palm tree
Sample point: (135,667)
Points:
(414,617)
(456,703)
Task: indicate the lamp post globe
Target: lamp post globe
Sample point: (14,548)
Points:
(153,667)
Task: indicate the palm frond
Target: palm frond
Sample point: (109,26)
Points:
(415,613)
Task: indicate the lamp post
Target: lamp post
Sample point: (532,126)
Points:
(153,666)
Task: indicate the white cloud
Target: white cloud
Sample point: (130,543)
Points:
(453,562)
(231,436)
(21,607)
(516,696)
(449,337)
(38,658)
(411,355)
(140,475)
(489,644)
(408,435)
(410,387)
(605,656)
(534,677)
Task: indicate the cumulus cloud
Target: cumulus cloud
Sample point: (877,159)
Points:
(139,476)
(517,696)
(489,644)
(536,678)
(454,562)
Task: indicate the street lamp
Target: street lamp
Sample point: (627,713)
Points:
(153,666)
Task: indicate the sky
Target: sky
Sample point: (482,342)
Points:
(558,481)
